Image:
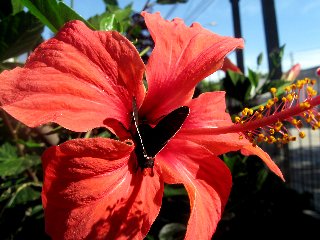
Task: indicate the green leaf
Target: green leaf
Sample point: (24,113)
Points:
(253,77)
(16,6)
(277,55)
(237,86)
(235,77)
(259,59)
(278,84)
(31,143)
(19,33)
(12,164)
(262,176)
(52,13)
(111,2)
(114,19)
(6,194)
(25,193)
(109,23)
(105,134)
(36,211)
(170,191)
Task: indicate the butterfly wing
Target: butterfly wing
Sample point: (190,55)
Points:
(154,139)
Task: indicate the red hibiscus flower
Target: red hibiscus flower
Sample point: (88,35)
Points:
(102,188)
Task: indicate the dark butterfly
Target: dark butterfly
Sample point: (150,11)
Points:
(150,141)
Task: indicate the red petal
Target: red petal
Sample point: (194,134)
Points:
(228,65)
(208,111)
(182,57)
(92,191)
(206,179)
(76,79)
(251,150)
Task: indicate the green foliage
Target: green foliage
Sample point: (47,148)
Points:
(19,33)
(23,193)
(111,2)
(114,18)
(171,190)
(16,6)
(237,86)
(259,59)
(54,14)
(20,192)
(11,164)
(209,86)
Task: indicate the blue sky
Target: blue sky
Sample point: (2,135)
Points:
(298,25)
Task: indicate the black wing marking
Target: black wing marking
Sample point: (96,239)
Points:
(150,141)
(155,139)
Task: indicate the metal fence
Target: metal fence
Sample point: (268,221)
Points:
(300,160)
(304,165)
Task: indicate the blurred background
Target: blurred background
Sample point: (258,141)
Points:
(281,45)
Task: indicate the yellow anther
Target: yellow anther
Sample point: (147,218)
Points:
(294,122)
(270,102)
(304,105)
(245,111)
(311,91)
(308,119)
(278,126)
(271,131)
(260,137)
(302,134)
(299,85)
(272,139)
(237,119)
(283,99)
(261,108)
(289,97)
(273,90)
(288,89)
